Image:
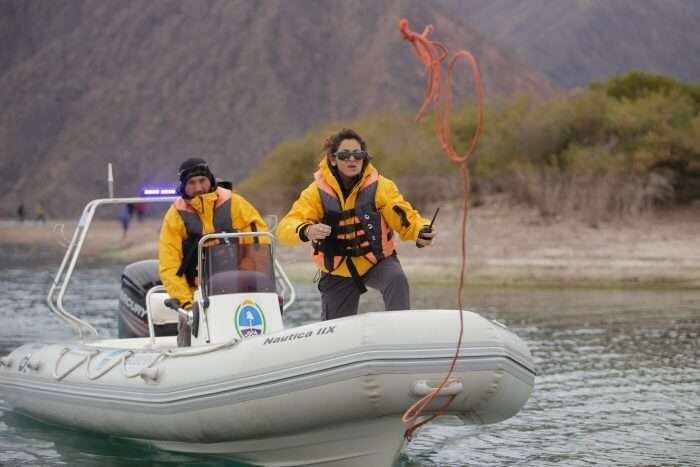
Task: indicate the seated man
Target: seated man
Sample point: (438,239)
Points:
(202,208)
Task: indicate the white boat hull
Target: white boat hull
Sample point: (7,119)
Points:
(374,442)
(330,393)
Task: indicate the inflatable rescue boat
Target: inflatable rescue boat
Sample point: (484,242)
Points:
(325,394)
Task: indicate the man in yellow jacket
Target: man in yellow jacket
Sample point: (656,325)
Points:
(349,213)
(201,209)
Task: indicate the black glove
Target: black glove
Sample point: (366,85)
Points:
(172,303)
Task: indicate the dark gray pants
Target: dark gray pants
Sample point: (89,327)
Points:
(340,295)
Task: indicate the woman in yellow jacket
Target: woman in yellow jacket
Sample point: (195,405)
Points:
(202,208)
(350,213)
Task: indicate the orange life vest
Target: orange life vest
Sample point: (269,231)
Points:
(195,230)
(358,231)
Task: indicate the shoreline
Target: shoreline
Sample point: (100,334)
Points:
(507,246)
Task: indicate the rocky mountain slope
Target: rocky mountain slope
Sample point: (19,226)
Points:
(576,41)
(147,83)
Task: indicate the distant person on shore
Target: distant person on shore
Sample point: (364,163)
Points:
(39,213)
(140,209)
(20,212)
(201,209)
(349,213)
(125,218)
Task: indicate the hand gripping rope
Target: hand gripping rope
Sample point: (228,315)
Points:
(433,54)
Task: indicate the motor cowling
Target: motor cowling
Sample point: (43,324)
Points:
(136,280)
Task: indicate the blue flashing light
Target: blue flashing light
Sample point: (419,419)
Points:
(159,191)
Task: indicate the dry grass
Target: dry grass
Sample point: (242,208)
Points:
(593,197)
(39,242)
(508,244)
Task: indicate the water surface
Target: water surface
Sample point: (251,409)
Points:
(618,383)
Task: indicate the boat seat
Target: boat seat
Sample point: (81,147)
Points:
(161,314)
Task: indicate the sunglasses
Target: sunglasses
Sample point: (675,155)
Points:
(345,155)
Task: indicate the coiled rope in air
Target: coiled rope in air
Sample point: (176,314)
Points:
(433,54)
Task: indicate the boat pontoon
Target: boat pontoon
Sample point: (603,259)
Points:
(325,394)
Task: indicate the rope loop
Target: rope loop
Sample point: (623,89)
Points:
(106,370)
(126,355)
(65,351)
(159,356)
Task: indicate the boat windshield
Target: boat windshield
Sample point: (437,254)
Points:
(234,267)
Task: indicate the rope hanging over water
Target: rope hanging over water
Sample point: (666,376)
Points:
(433,54)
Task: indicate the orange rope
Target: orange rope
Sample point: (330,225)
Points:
(432,54)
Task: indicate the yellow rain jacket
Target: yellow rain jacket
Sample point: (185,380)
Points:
(398,213)
(244,218)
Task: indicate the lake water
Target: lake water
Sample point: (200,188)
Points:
(618,382)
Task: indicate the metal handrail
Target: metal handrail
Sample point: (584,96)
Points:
(58,288)
(286,286)
(60,283)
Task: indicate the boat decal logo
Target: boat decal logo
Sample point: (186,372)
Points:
(249,319)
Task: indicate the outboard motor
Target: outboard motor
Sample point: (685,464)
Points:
(137,279)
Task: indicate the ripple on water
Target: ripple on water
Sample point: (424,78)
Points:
(617,386)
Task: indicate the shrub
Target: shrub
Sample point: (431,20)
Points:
(612,150)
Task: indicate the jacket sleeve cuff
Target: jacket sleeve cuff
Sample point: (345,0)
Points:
(301,230)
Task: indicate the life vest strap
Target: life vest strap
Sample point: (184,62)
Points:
(188,267)
(347,228)
(356,278)
(347,214)
(360,250)
(340,247)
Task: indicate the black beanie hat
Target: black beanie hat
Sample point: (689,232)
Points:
(194,167)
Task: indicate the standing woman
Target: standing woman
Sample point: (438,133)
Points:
(349,213)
